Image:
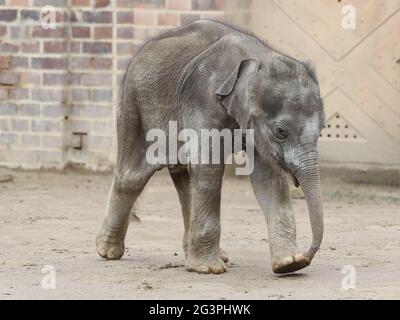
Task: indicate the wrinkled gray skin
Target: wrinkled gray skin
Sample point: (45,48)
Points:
(209,75)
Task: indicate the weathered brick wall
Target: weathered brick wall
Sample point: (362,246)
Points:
(58,87)
(33,95)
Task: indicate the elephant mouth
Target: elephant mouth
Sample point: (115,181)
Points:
(295,181)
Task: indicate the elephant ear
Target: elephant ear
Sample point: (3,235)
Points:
(236,92)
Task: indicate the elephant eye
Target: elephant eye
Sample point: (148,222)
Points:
(280,132)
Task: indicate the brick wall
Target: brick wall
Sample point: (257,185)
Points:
(58,86)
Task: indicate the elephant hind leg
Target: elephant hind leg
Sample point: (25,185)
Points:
(181,179)
(125,189)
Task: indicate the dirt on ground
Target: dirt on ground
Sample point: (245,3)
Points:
(49,221)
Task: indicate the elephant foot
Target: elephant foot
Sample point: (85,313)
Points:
(223,255)
(109,245)
(205,266)
(289,263)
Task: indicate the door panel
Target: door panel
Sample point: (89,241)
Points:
(359,70)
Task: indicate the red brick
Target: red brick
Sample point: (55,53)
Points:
(141,3)
(97,47)
(30,47)
(125,33)
(8,78)
(28,109)
(54,79)
(8,109)
(53,95)
(30,14)
(30,78)
(101,3)
(101,63)
(53,141)
(20,125)
(81,3)
(76,16)
(75,47)
(167,19)
(91,63)
(125,48)
(38,31)
(124,3)
(80,94)
(8,15)
(20,62)
(75,78)
(124,17)
(149,3)
(207,4)
(3,30)
(55,3)
(5,62)
(97,17)
(15,32)
(3,95)
(30,140)
(49,63)
(144,18)
(19,94)
(102,95)
(212,16)
(61,16)
(20,32)
(21,3)
(98,80)
(143,34)
(179,4)
(9,47)
(55,46)
(80,32)
(103,32)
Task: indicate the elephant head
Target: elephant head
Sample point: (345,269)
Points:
(279,98)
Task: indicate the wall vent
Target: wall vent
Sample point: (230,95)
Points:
(337,128)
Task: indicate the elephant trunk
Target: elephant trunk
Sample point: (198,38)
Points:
(307,174)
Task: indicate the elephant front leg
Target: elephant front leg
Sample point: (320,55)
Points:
(272,192)
(285,256)
(203,252)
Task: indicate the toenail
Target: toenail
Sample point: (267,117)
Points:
(287,260)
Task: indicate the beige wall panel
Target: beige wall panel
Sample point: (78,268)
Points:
(359,70)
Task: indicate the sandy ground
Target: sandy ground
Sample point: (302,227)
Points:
(52,219)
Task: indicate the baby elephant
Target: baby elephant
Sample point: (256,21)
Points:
(207,75)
